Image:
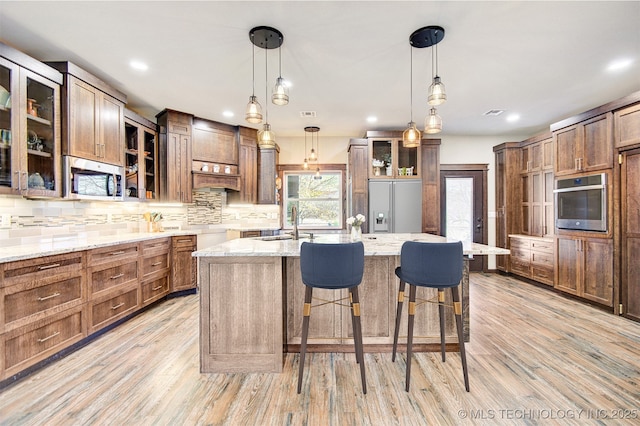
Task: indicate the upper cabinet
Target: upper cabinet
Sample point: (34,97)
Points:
(29,126)
(584,146)
(627,126)
(174,156)
(389,159)
(214,142)
(141,157)
(537,177)
(93,116)
(267,184)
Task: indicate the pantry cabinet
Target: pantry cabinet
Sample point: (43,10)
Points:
(174,156)
(508,197)
(93,116)
(537,182)
(29,126)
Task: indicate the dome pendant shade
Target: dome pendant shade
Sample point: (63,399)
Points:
(411,137)
(280,93)
(437,94)
(433,122)
(266,138)
(254,111)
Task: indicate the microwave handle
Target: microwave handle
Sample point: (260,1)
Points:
(579,188)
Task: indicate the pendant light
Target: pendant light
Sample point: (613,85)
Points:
(280,93)
(411,137)
(254,110)
(313,156)
(266,137)
(429,37)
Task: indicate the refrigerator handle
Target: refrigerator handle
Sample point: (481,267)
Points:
(391,227)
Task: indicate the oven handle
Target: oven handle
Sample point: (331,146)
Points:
(580,188)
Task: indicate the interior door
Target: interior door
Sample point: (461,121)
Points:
(463,211)
(630,241)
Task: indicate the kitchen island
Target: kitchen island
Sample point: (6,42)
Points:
(251,297)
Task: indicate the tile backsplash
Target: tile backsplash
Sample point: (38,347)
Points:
(29,221)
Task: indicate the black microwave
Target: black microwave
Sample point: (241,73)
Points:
(87,179)
(581,203)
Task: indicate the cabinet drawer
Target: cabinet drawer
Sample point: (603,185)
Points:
(520,254)
(111,309)
(153,290)
(33,271)
(155,245)
(29,344)
(21,302)
(519,243)
(104,279)
(539,245)
(520,268)
(188,241)
(542,258)
(544,274)
(118,252)
(152,264)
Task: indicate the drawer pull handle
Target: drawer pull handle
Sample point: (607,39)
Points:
(184,241)
(115,277)
(119,305)
(51,296)
(53,265)
(156,264)
(156,288)
(47,338)
(115,253)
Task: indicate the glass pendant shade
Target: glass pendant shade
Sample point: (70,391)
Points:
(437,94)
(280,93)
(411,137)
(317,175)
(254,111)
(305,164)
(312,155)
(433,122)
(266,138)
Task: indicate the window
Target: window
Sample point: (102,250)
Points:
(319,201)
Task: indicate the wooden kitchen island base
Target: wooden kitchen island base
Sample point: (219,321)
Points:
(252,296)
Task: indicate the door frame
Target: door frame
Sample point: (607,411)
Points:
(463,170)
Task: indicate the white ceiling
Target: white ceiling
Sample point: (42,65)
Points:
(346,60)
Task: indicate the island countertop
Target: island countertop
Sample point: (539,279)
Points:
(374,245)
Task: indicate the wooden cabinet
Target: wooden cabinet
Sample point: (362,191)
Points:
(585,267)
(29,126)
(141,154)
(155,269)
(184,267)
(626,123)
(399,162)
(214,142)
(174,158)
(537,180)
(430,166)
(357,179)
(42,309)
(585,146)
(93,116)
(268,186)
(248,165)
(508,197)
(533,258)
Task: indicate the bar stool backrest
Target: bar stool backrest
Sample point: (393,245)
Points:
(332,265)
(431,264)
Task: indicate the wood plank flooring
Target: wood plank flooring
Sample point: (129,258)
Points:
(534,358)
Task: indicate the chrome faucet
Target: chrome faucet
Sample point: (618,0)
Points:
(294,219)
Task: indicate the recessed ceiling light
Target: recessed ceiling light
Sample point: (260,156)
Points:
(513,117)
(228,113)
(619,65)
(138,65)
(372,119)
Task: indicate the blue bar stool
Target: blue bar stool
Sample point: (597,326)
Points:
(332,266)
(434,265)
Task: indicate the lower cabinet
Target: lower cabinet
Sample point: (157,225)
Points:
(49,303)
(585,268)
(184,267)
(533,258)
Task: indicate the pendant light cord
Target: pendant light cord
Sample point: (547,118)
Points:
(411,83)
(253,67)
(266,83)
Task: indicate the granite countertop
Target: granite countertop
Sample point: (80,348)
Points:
(374,245)
(51,246)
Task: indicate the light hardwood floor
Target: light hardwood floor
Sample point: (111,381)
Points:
(534,358)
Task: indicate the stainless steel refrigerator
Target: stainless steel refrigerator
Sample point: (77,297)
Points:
(395,206)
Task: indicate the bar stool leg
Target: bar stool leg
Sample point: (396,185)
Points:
(412,312)
(353,322)
(398,315)
(457,307)
(305,332)
(357,335)
(441,315)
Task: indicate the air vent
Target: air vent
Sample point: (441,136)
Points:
(493,112)
(307,114)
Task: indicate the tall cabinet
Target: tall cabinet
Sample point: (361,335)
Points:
(357,182)
(174,158)
(29,126)
(508,196)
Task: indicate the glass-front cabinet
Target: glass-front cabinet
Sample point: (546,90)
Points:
(140,157)
(29,126)
(391,160)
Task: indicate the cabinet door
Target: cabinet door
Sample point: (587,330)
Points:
(178,168)
(184,266)
(627,126)
(547,154)
(82,121)
(569,265)
(536,210)
(214,143)
(598,270)
(566,145)
(267,162)
(597,151)
(248,166)
(548,220)
(111,130)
